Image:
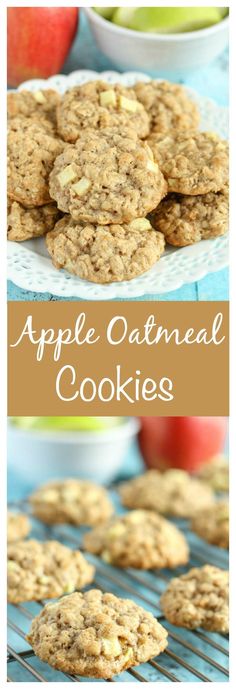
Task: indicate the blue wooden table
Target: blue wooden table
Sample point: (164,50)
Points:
(212,82)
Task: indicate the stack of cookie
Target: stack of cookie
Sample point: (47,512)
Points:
(90,170)
(194,164)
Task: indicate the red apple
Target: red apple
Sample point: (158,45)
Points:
(38,41)
(183,442)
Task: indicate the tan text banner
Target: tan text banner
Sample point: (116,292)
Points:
(115,358)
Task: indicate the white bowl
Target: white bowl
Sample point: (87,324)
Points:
(168,55)
(37,456)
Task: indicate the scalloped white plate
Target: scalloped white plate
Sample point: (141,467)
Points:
(30,267)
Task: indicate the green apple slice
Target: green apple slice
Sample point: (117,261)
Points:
(166,19)
(66,423)
(105,12)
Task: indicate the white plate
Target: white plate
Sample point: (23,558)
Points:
(30,267)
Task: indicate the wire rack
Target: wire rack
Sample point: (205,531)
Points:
(191,656)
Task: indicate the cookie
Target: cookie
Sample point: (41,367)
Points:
(105,254)
(44,570)
(168,106)
(20,123)
(96,105)
(71,502)
(174,492)
(25,223)
(31,154)
(41,104)
(107,177)
(212,524)
(96,635)
(199,598)
(140,539)
(188,219)
(216,474)
(192,164)
(18,526)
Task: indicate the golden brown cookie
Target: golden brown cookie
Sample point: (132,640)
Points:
(25,223)
(31,154)
(107,177)
(139,539)
(105,254)
(40,103)
(96,635)
(174,492)
(188,219)
(44,570)
(168,105)
(216,473)
(96,105)
(21,124)
(18,526)
(192,164)
(71,501)
(212,524)
(199,598)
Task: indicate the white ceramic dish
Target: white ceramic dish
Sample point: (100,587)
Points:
(162,53)
(37,456)
(30,267)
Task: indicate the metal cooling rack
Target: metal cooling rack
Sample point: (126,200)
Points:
(191,656)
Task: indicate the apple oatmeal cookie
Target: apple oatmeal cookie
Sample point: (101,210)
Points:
(192,164)
(31,155)
(18,526)
(106,253)
(188,219)
(21,124)
(199,598)
(71,501)
(96,635)
(44,570)
(25,223)
(173,492)
(40,103)
(139,539)
(216,473)
(107,177)
(212,524)
(96,105)
(168,105)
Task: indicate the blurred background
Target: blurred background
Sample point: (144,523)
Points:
(108,449)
